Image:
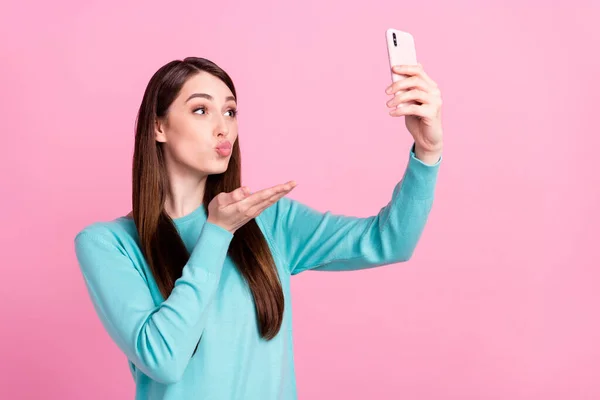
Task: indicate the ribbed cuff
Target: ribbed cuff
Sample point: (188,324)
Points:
(420,179)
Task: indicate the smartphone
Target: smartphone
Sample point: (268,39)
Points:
(401,50)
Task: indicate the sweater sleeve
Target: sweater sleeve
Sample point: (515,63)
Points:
(159,340)
(311,240)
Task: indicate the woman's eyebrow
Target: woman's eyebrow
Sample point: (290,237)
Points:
(207,96)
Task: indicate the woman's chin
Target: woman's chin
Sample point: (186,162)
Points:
(219,167)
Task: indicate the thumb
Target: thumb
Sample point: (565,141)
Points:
(238,194)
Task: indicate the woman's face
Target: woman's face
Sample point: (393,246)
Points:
(200,118)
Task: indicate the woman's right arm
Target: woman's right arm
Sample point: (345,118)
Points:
(159,340)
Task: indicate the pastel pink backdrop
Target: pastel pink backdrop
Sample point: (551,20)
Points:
(501,298)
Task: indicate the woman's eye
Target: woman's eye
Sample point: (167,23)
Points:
(232,113)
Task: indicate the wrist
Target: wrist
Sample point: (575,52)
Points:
(428,156)
(230,230)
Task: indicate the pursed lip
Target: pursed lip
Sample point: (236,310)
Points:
(226,145)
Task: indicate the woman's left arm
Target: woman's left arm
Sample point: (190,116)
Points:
(311,240)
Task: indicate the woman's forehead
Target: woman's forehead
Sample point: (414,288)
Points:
(205,85)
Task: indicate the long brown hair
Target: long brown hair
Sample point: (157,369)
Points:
(160,242)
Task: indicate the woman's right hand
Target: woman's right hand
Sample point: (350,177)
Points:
(232,210)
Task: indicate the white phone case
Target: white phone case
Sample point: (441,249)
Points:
(401,50)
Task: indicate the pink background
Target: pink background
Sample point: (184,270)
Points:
(501,298)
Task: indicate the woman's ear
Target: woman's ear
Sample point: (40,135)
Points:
(159,131)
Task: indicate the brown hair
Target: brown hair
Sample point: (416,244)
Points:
(160,242)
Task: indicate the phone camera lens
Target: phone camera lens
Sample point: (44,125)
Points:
(394,36)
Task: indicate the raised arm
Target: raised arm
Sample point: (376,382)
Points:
(312,240)
(159,340)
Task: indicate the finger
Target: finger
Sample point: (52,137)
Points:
(396,95)
(413,82)
(422,111)
(255,210)
(413,96)
(265,194)
(226,199)
(240,193)
(412,70)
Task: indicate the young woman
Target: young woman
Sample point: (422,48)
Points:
(194,284)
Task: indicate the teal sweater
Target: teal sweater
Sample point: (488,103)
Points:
(211,301)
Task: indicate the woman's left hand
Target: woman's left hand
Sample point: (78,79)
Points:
(420,102)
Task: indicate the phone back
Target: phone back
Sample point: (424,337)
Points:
(401,50)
